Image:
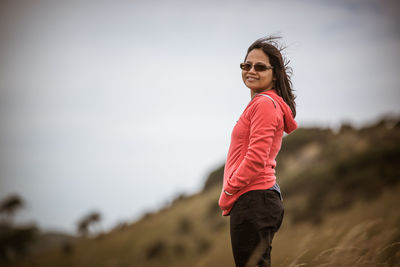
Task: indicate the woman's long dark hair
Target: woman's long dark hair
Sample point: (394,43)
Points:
(282,71)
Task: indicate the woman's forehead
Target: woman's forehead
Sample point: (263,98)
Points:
(257,55)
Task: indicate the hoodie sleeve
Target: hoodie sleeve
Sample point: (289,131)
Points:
(264,119)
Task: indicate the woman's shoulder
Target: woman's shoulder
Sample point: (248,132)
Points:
(262,105)
(263,102)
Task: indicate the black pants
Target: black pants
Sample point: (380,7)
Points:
(254,219)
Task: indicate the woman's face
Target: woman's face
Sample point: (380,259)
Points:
(258,81)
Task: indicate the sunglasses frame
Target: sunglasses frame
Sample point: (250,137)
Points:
(257,67)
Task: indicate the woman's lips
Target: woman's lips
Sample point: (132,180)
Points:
(251,79)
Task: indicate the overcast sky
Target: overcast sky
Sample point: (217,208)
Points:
(118,106)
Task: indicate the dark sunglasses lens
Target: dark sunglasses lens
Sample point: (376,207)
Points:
(260,67)
(245,66)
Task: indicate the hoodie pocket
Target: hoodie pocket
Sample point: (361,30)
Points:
(225,202)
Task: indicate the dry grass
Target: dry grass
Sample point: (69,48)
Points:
(366,234)
(352,197)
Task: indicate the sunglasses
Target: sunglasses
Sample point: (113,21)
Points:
(257,67)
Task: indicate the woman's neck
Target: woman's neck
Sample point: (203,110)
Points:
(254,93)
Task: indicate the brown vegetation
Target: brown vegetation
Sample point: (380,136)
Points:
(341,193)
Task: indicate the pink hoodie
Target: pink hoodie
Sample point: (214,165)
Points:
(256,140)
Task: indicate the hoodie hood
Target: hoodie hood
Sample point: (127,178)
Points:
(289,123)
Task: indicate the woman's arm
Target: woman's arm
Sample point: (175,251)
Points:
(263,123)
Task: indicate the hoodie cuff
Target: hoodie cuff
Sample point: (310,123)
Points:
(230,189)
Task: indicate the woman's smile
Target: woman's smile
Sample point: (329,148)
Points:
(251,78)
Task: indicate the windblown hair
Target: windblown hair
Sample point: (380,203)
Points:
(283,84)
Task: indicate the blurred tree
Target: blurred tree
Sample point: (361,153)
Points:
(14,240)
(10,205)
(87,221)
(83,228)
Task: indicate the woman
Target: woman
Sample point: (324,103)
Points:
(250,194)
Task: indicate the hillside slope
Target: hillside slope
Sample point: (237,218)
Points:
(341,193)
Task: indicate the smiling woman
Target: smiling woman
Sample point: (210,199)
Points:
(258,77)
(250,194)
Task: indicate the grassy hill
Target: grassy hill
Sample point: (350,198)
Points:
(341,196)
